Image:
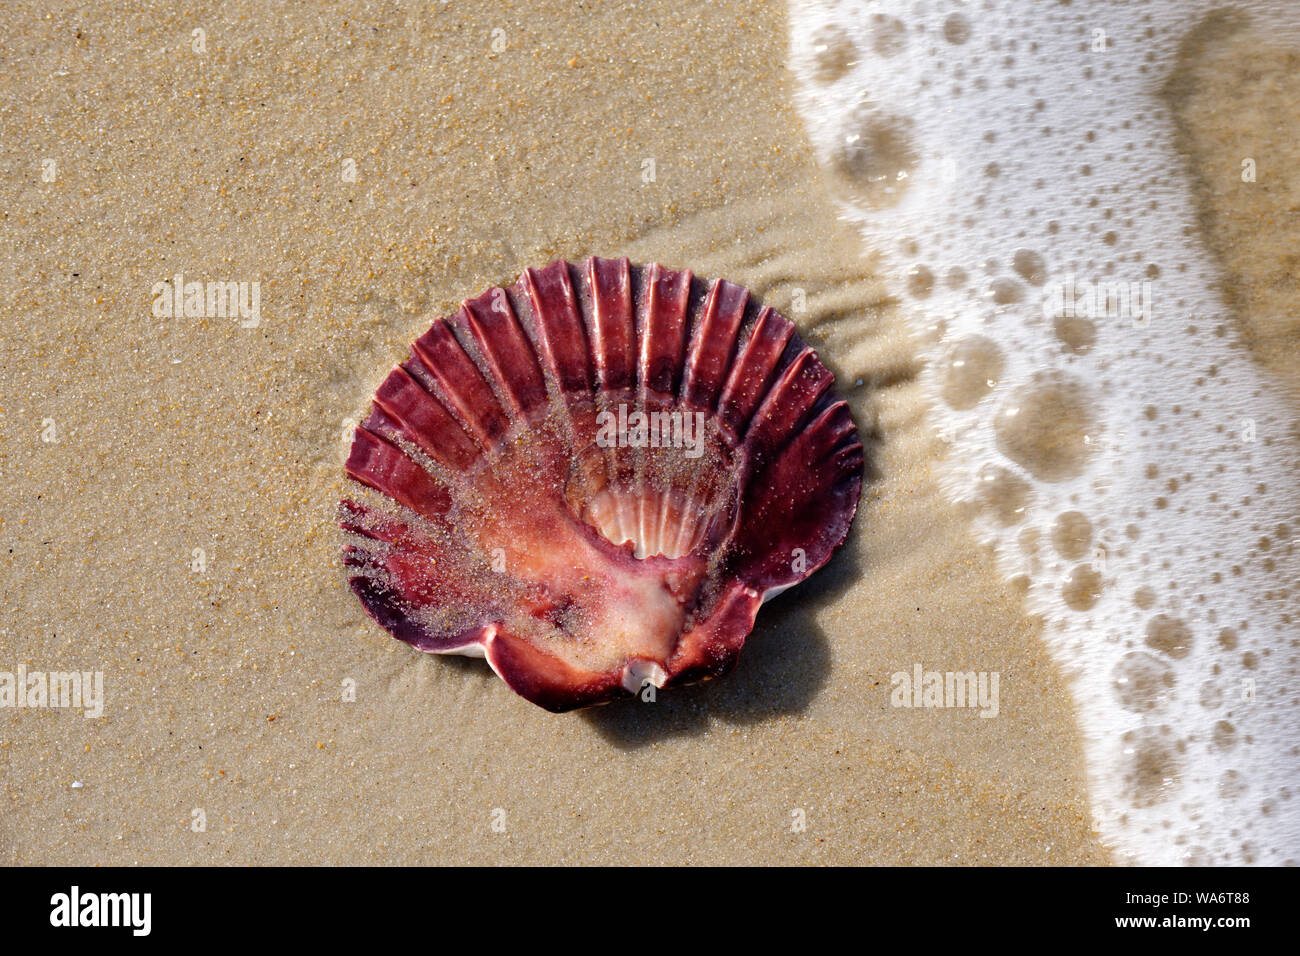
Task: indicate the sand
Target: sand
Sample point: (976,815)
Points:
(178,532)
(1233,95)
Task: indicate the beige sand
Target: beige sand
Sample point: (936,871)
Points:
(1234,94)
(225,687)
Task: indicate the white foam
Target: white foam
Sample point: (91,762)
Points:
(1013,131)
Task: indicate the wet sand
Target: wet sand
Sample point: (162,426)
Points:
(225,686)
(1234,94)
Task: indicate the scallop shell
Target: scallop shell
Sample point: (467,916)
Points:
(594,478)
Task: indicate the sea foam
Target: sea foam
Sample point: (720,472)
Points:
(1013,165)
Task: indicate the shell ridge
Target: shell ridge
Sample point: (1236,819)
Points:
(507,355)
(789,403)
(549,311)
(609,320)
(561,337)
(461,381)
(757,366)
(713,345)
(402,404)
(713,349)
(664,330)
(613,321)
(378,463)
(649,315)
(663,341)
(804,498)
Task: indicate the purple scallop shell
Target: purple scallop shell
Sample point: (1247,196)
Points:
(594,478)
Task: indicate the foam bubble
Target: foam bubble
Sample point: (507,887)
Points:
(1072,535)
(1142,681)
(1003,494)
(1047,427)
(874,157)
(1076,334)
(834,55)
(1151,764)
(1170,635)
(1082,587)
(1014,168)
(973,368)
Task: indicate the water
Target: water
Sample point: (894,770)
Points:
(1015,167)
